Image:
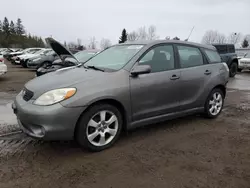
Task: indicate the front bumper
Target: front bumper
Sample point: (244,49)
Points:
(53,122)
(3,69)
(244,65)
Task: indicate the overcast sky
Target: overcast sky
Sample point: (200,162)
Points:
(71,19)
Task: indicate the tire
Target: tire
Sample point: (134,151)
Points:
(24,63)
(233,69)
(211,98)
(44,64)
(100,134)
(239,70)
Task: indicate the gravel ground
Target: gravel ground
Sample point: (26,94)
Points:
(187,152)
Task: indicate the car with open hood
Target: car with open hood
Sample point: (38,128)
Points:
(122,87)
(66,58)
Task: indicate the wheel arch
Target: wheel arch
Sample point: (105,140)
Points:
(109,101)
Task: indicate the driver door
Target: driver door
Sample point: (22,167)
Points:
(157,92)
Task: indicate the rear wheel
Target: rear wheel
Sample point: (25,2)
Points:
(214,103)
(233,69)
(99,127)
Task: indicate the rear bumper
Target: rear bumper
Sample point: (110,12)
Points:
(53,122)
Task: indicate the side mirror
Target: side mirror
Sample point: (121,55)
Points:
(245,54)
(140,69)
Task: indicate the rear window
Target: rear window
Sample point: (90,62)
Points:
(222,49)
(213,56)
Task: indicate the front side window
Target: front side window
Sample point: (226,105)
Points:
(189,56)
(213,56)
(160,58)
(114,57)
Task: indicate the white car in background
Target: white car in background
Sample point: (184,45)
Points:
(3,67)
(244,63)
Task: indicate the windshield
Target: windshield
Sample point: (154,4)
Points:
(114,57)
(84,55)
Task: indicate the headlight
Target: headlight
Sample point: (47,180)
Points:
(55,96)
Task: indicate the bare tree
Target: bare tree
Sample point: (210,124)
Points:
(234,38)
(152,33)
(79,42)
(221,39)
(92,43)
(143,34)
(133,36)
(105,43)
(210,37)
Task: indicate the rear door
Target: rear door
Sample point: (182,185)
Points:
(195,73)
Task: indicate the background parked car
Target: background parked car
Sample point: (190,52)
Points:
(15,59)
(229,56)
(45,60)
(244,63)
(24,60)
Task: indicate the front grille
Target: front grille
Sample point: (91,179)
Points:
(27,94)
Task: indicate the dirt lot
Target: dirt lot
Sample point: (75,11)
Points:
(188,152)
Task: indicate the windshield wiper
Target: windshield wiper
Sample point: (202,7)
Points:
(93,67)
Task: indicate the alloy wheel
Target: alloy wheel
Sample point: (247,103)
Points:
(102,128)
(215,104)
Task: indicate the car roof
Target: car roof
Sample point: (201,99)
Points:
(154,42)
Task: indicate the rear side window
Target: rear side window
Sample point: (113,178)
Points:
(231,49)
(222,49)
(189,56)
(213,56)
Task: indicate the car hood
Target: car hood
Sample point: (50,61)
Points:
(59,49)
(24,55)
(245,59)
(64,78)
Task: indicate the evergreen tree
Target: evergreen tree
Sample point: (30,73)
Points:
(6,27)
(19,27)
(1,26)
(124,36)
(12,28)
(245,43)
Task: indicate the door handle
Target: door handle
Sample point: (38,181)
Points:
(207,72)
(174,77)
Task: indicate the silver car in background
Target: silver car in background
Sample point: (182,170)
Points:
(123,87)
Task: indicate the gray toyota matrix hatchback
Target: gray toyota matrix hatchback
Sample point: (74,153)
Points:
(122,87)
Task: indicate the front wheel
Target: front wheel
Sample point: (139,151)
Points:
(99,127)
(233,69)
(214,103)
(239,70)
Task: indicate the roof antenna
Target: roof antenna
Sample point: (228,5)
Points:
(190,34)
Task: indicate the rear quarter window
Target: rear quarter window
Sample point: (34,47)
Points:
(231,49)
(213,56)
